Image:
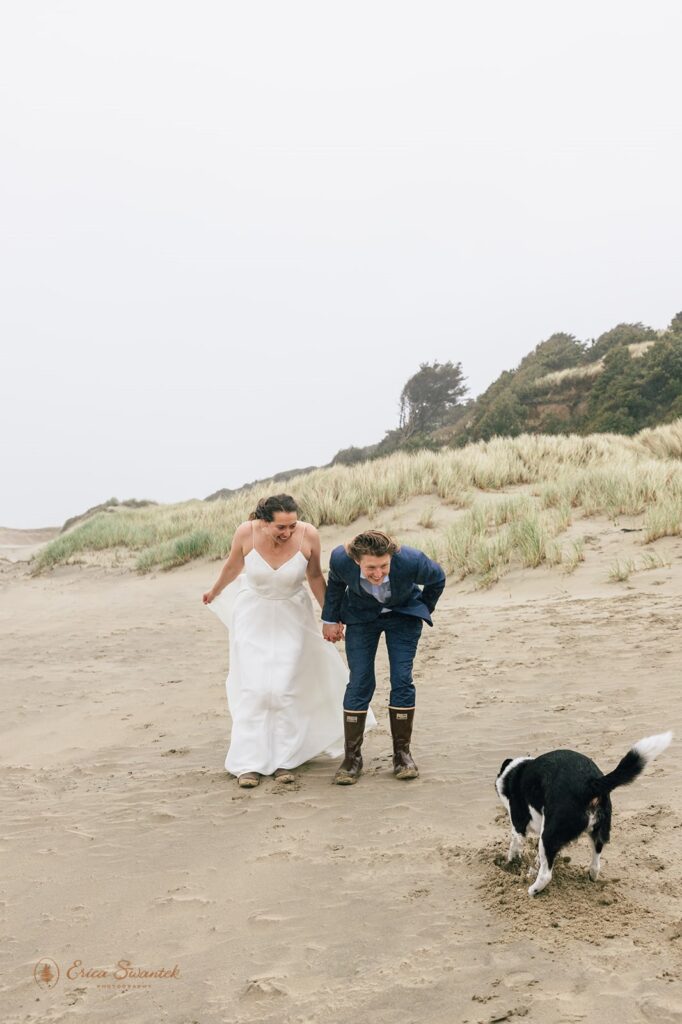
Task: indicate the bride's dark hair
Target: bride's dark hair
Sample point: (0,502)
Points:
(266,507)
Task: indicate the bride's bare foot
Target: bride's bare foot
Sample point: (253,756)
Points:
(284,775)
(249,780)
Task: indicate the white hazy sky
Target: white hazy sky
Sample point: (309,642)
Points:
(231,231)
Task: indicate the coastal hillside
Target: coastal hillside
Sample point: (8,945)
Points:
(626,380)
(629,379)
(488,508)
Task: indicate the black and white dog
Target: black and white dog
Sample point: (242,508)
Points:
(562,794)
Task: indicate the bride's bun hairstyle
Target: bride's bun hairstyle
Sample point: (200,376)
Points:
(266,507)
(374,543)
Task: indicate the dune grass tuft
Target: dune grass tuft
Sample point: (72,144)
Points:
(620,571)
(663,518)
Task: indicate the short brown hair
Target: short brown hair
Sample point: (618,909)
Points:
(373,542)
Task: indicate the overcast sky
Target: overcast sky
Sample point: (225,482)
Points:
(231,231)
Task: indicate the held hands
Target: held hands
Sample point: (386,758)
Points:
(333,631)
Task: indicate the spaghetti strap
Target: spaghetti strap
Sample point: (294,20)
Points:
(253,535)
(302,536)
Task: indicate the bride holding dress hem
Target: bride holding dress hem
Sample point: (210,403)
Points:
(286,683)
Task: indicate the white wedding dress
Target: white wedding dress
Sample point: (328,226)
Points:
(286,684)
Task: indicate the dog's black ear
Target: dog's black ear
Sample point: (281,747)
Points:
(504,765)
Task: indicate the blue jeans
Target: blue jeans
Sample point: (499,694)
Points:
(362,639)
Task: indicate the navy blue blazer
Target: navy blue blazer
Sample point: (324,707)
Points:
(346,601)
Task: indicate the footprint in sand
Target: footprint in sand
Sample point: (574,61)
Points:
(519,979)
(261,917)
(74,996)
(165,900)
(662,1011)
(416,894)
(265,985)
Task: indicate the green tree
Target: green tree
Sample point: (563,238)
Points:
(559,352)
(676,324)
(429,397)
(505,417)
(349,456)
(622,334)
(616,404)
(661,379)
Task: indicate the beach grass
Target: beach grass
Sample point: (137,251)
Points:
(621,570)
(560,476)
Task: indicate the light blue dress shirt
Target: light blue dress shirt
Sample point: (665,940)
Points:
(382,591)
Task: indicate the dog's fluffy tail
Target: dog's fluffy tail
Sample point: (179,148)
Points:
(634,762)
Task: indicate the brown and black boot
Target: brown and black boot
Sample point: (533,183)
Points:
(401,731)
(349,771)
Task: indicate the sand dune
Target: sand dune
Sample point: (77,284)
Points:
(124,839)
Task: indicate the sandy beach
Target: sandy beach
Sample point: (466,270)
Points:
(124,839)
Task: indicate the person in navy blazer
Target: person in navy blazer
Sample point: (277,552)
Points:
(376,586)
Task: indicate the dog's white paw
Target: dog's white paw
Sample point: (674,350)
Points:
(539,884)
(594,874)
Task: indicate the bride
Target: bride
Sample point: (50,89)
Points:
(286,684)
